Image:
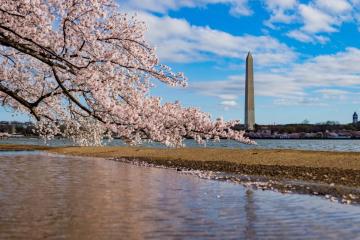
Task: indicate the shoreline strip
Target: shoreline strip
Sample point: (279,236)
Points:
(334,169)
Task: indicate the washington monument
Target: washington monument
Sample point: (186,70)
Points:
(249,94)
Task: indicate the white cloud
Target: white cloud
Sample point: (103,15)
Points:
(284,4)
(227,90)
(300,36)
(306,37)
(335,6)
(321,39)
(332,91)
(237,7)
(356,11)
(340,69)
(281,11)
(336,94)
(229,103)
(240,8)
(290,85)
(315,20)
(178,41)
(319,17)
(316,17)
(227,97)
(307,101)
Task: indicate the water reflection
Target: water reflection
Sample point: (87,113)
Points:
(250,215)
(52,197)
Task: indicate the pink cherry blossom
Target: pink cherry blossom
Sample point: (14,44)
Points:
(82,69)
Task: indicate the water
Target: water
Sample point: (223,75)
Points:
(348,145)
(52,197)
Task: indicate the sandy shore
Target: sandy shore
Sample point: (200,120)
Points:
(327,167)
(337,172)
(11,147)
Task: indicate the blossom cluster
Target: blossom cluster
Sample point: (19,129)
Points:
(82,68)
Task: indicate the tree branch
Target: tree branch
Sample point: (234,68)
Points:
(73,99)
(19,99)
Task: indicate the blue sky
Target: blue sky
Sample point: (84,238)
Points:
(306,55)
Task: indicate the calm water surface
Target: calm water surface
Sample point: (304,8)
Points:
(52,197)
(348,145)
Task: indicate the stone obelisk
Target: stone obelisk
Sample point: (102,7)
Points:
(249,94)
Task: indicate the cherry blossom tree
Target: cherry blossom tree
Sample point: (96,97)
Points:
(82,68)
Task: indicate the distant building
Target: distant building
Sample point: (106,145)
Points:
(355,118)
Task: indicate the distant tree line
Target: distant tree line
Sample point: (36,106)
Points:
(26,129)
(309,128)
(331,126)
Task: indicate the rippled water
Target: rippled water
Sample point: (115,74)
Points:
(349,145)
(54,197)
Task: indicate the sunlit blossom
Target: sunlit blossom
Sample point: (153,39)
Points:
(83,70)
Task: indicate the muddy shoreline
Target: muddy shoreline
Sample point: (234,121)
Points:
(256,179)
(334,175)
